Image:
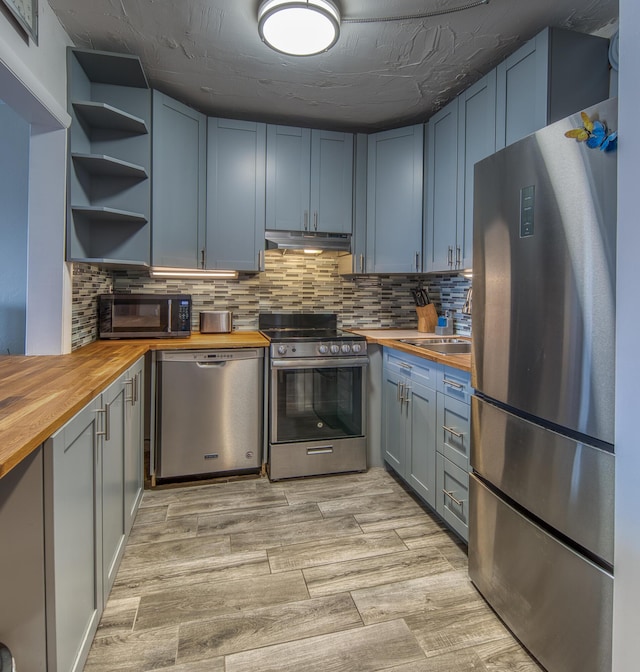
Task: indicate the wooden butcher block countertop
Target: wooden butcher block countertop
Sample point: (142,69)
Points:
(390,338)
(38,394)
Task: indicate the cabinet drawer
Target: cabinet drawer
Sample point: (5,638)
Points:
(452,495)
(455,383)
(453,430)
(417,369)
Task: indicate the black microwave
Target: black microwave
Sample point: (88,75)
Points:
(144,315)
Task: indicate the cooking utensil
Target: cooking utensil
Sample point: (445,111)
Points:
(417,297)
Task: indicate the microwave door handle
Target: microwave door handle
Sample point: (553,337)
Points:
(169,316)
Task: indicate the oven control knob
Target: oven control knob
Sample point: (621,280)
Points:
(282,349)
(346,348)
(323,349)
(335,349)
(356,347)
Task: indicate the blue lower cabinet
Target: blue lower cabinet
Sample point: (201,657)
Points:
(426,432)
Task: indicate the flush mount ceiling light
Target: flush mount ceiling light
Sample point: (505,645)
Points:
(310,27)
(299,28)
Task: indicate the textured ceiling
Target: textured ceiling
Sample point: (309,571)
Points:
(207,53)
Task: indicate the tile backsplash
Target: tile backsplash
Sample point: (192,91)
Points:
(290,283)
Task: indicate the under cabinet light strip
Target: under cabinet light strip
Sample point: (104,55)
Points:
(190,273)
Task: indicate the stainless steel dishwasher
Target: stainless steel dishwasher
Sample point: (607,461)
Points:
(210,411)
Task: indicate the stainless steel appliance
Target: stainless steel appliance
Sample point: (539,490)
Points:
(542,488)
(317,396)
(216,322)
(144,315)
(210,411)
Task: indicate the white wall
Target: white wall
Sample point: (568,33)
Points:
(626,620)
(33,84)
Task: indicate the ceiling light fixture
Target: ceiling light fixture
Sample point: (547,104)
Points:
(310,27)
(299,28)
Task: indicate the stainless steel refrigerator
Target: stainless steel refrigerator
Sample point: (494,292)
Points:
(542,487)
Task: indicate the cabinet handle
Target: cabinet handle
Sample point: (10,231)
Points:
(305,220)
(458,256)
(202,258)
(453,432)
(451,383)
(261,260)
(399,395)
(130,399)
(103,432)
(407,390)
(450,256)
(459,502)
(417,262)
(315,221)
(362,263)
(136,380)
(107,422)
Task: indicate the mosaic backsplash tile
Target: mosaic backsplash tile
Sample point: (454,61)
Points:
(88,282)
(290,283)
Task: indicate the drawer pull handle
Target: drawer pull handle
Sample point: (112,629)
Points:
(451,383)
(327,450)
(453,432)
(406,366)
(459,502)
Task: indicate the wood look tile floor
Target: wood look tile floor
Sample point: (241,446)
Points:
(344,573)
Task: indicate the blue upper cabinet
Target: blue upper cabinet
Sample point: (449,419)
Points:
(476,141)
(235,194)
(458,136)
(331,181)
(288,177)
(441,196)
(309,180)
(179,184)
(394,200)
(557,73)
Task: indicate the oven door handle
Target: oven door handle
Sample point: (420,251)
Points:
(319,363)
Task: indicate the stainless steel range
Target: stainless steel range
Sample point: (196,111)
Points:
(317,395)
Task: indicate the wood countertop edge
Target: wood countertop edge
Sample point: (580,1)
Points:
(115,357)
(461,362)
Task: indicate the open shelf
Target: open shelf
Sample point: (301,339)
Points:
(106,67)
(107,166)
(108,215)
(103,115)
(113,263)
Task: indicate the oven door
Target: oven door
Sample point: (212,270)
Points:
(317,399)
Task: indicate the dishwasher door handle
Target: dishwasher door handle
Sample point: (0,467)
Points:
(207,365)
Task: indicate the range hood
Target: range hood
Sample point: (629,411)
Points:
(308,240)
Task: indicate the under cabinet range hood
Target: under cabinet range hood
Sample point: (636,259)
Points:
(308,241)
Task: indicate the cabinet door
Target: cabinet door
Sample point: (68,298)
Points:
(134,441)
(394,201)
(331,181)
(288,177)
(476,141)
(394,419)
(522,91)
(73,540)
(442,188)
(421,445)
(113,476)
(235,194)
(179,184)
(452,495)
(453,430)
(22,569)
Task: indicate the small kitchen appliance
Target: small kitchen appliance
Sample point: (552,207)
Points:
(144,315)
(216,322)
(317,395)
